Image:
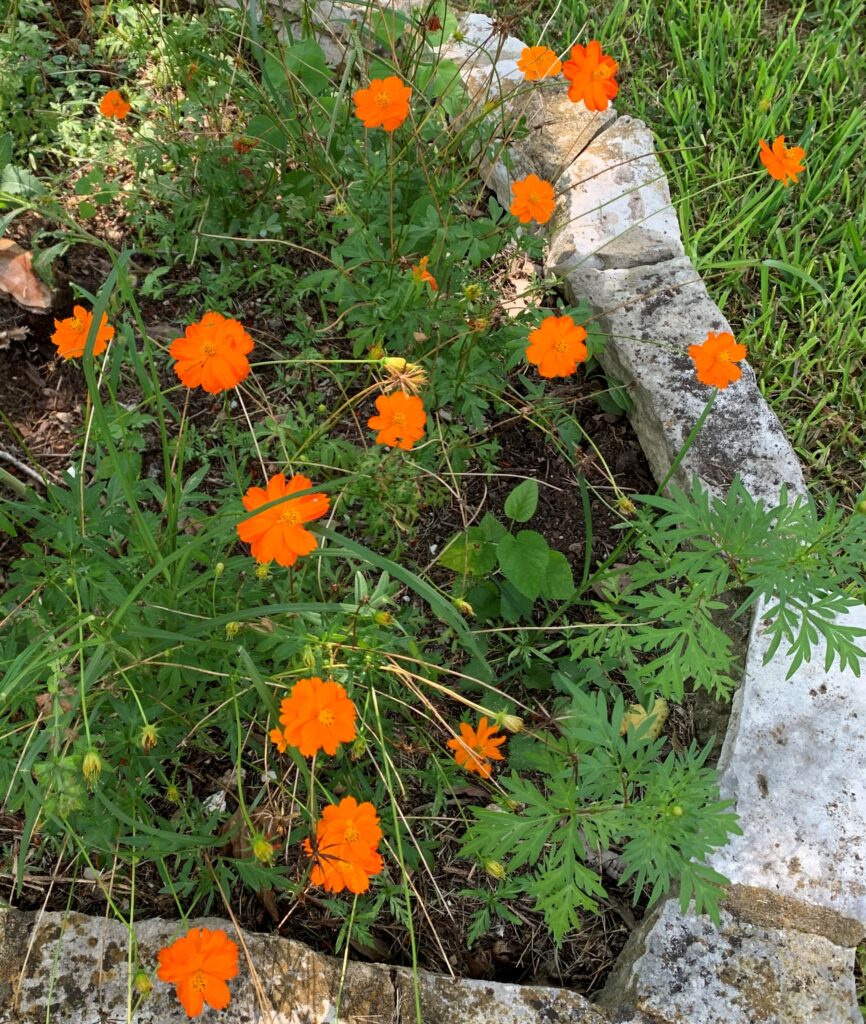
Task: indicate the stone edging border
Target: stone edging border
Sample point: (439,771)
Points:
(794,753)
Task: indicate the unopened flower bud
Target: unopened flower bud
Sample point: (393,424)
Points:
(376,352)
(510,723)
(677,811)
(861,507)
(308,657)
(263,849)
(142,983)
(262,572)
(494,868)
(464,607)
(472,292)
(172,794)
(232,630)
(396,363)
(358,748)
(219,569)
(91,767)
(382,618)
(147,737)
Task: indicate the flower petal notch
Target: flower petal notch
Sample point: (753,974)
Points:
(212,354)
(345,855)
(716,360)
(476,748)
(317,715)
(783,164)
(278,533)
(533,199)
(557,346)
(592,75)
(383,104)
(70,335)
(199,964)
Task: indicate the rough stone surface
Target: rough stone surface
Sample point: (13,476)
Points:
(70,969)
(794,761)
(615,204)
(650,315)
(684,970)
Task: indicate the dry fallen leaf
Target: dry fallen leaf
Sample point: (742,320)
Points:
(12,334)
(18,280)
(637,714)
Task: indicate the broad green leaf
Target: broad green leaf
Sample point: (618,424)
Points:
(524,561)
(558,580)
(521,504)
(469,553)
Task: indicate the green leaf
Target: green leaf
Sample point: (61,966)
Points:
(18,182)
(469,553)
(5,149)
(558,581)
(524,561)
(86,210)
(521,504)
(306,60)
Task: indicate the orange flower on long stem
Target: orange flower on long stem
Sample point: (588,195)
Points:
(716,358)
(199,964)
(476,748)
(782,164)
(114,105)
(383,104)
(317,715)
(345,853)
(70,335)
(212,354)
(537,62)
(421,273)
(592,76)
(401,420)
(278,533)
(533,199)
(556,346)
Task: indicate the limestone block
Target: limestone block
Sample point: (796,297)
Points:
(650,316)
(683,969)
(72,969)
(794,761)
(616,208)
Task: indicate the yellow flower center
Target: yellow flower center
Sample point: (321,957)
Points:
(198,981)
(352,835)
(290,516)
(561,346)
(76,323)
(399,419)
(326,717)
(725,356)
(603,71)
(208,348)
(382,99)
(534,197)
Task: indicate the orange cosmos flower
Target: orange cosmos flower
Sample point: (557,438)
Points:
(199,964)
(476,748)
(782,163)
(556,346)
(537,62)
(421,273)
(591,74)
(212,354)
(345,854)
(533,199)
(715,359)
(70,335)
(383,104)
(278,533)
(114,105)
(316,716)
(401,420)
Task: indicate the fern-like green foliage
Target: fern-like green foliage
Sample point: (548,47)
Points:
(661,615)
(602,790)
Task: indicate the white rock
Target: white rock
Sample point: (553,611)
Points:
(616,210)
(794,761)
(686,970)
